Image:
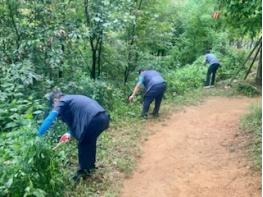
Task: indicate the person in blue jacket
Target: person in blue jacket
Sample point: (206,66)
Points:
(154,88)
(86,120)
(212,68)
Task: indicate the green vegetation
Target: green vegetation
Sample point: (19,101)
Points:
(95,48)
(252,123)
(247,89)
(29,167)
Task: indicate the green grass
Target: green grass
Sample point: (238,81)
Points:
(252,124)
(247,89)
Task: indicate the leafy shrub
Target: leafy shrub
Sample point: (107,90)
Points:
(112,97)
(231,62)
(247,89)
(15,102)
(100,91)
(186,78)
(30,167)
(14,113)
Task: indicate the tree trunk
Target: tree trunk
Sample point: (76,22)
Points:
(95,43)
(86,11)
(247,59)
(254,59)
(94,62)
(11,14)
(259,70)
(99,57)
(60,71)
(126,74)
(132,43)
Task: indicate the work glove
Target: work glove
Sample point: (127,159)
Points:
(65,137)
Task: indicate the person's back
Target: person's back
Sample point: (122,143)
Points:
(151,78)
(77,111)
(211,59)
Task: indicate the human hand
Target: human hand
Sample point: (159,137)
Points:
(131,98)
(65,137)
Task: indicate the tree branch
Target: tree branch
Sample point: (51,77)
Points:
(11,14)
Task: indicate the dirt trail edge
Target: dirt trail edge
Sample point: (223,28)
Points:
(197,152)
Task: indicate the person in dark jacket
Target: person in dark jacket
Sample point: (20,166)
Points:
(154,87)
(86,120)
(212,68)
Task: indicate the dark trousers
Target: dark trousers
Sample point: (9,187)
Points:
(155,93)
(87,146)
(211,74)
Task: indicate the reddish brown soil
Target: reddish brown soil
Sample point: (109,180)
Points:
(197,152)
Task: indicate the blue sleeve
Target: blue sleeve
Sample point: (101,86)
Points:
(141,79)
(47,123)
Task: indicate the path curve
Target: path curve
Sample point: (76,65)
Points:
(197,152)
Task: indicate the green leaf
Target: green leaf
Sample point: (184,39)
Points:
(10,125)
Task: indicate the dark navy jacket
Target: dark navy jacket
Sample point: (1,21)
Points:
(151,78)
(77,111)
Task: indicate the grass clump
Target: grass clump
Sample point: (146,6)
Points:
(247,89)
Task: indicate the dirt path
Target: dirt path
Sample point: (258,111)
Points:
(197,152)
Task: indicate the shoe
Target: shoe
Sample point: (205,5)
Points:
(144,116)
(155,115)
(212,86)
(81,174)
(206,87)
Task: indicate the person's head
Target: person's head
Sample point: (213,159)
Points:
(54,97)
(207,51)
(141,70)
